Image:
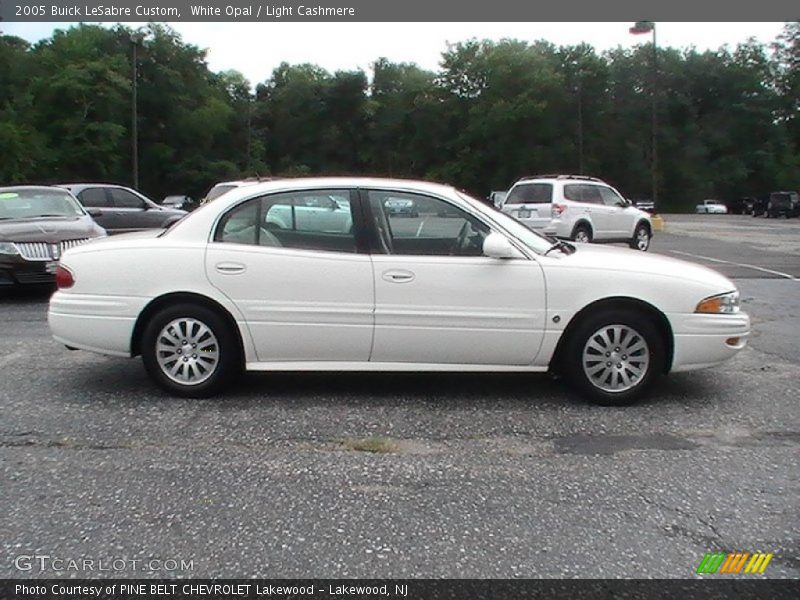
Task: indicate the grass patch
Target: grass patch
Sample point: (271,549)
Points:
(374,444)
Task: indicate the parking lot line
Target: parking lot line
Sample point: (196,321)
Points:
(746,266)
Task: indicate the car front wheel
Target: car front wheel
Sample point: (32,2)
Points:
(189,350)
(614,356)
(641,238)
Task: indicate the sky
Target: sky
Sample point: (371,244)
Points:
(255,49)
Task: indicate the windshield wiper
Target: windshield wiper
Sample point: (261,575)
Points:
(565,247)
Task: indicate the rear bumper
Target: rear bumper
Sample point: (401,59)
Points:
(707,340)
(101,324)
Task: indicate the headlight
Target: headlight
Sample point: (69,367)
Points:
(725,304)
(8,248)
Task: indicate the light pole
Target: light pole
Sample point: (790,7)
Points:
(136,39)
(647,27)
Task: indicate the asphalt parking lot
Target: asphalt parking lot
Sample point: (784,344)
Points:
(485,476)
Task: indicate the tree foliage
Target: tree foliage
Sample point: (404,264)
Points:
(729,119)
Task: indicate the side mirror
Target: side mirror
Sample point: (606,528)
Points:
(94,212)
(496,245)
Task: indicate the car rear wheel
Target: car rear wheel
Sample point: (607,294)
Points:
(189,350)
(641,238)
(614,356)
(582,234)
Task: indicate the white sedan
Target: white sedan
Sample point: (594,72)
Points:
(244,283)
(710,207)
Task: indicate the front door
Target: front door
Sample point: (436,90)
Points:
(438,299)
(294,270)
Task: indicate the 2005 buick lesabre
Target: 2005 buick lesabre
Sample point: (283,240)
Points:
(321,274)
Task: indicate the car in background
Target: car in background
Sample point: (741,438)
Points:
(741,206)
(579,208)
(180,202)
(783,204)
(37,224)
(647,206)
(474,290)
(711,207)
(400,207)
(119,209)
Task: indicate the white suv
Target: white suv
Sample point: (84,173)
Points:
(579,208)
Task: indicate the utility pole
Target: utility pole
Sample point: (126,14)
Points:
(136,39)
(647,27)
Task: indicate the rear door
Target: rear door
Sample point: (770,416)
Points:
(98,200)
(302,281)
(530,203)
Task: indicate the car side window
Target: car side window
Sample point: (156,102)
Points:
(413,224)
(125,199)
(94,198)
(610,197)
(318,220)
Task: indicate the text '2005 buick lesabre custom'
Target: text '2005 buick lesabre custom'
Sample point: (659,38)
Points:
(323,274)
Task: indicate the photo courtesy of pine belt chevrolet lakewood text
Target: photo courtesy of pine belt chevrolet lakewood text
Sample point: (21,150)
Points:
(356,274)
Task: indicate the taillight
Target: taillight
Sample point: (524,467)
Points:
(557,210)
(64,278)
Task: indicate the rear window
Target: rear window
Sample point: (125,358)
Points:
(531,193)
(781,197)
(218,190)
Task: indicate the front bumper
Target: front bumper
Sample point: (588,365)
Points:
(703,340)
(16,270)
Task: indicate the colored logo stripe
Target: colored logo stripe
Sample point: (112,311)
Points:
(734,562)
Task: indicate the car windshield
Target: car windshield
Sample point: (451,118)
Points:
(35,203)
(536,242)
(218,190)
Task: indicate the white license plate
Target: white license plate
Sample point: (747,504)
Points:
(51,267)
(524,214)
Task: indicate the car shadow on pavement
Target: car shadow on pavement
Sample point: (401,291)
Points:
(31,293)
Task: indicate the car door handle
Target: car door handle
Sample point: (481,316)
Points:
(230,268)
(398,276)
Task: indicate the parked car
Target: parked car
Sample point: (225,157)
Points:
(578,208)
(785,204)
(37,224)
(119,209)
(741,206)
(401,207)
(186,203)
(472,291)
(760,206)
(711,207)
(646,205)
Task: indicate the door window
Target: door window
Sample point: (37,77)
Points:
(435,227)
(580,192)
(318,220)
(125,199)
(610,197)
(94,198)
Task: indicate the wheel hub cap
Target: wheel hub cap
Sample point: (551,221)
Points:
(615,358)
(187,351)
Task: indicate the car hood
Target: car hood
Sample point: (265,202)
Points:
(609,258)
(49,229)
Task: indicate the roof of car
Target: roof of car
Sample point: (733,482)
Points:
(11,188)
(340,182)
(83,186)
(560,176)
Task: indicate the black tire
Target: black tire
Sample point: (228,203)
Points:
(581,230)
(589,330)
(226,344)
(642,236)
